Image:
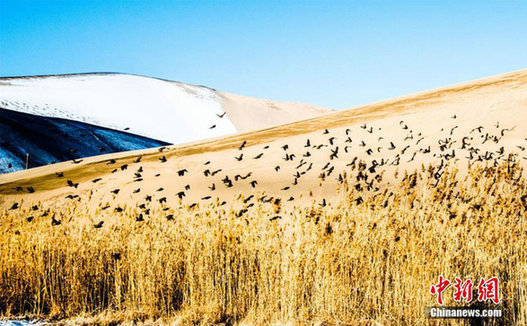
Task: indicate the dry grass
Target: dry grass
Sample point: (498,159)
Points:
(351,262)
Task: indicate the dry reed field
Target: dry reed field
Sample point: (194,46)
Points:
(369,258)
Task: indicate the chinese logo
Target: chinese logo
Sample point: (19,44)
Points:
(487,290)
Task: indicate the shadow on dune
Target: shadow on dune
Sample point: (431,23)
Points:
(48,140)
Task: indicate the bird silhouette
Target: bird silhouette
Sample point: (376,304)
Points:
(182,172)
(55,222)
(242,145)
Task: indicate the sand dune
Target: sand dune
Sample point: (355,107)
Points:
(64,117)
(482,120)
(168,111)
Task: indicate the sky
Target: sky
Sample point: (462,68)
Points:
(335,54)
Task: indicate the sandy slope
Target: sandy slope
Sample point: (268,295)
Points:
(479,120)
(168,111)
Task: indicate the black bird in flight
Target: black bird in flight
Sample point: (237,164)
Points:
(221,115)
(98,225)
(213,173)
(54,222)
(242,145)
(182,172)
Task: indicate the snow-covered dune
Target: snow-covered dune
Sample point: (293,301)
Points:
(148,107)
(155,108)
(144,111)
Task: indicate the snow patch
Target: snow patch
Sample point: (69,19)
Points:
(163,110)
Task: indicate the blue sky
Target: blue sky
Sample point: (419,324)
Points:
(336,54)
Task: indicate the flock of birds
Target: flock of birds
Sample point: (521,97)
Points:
(322,156)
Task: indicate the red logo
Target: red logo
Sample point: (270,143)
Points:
(487,290)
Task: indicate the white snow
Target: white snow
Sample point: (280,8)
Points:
(162,110)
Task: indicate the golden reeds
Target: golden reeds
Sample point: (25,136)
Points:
(352,261)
